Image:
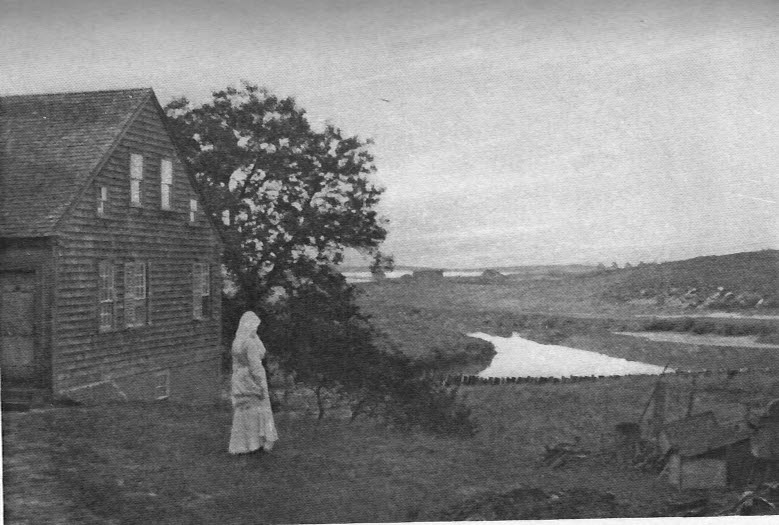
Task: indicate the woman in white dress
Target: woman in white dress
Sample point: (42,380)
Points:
(253,428)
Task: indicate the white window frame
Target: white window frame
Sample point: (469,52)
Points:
(102,200)
(192,210)
(106,290)
(162,385)
(136,291)
(166,183)
(136,179)
(201,290)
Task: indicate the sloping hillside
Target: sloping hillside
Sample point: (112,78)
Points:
(739,280)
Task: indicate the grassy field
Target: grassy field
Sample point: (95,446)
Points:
(166,463)
(430,320)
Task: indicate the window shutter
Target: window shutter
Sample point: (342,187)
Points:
(104,284)
(148,293)
(129,294)
(205,290)
(195,292)
(198,276)
(166,183)
(136,179)
(115,296)
(211,295)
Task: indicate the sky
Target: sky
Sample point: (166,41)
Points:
(506,132)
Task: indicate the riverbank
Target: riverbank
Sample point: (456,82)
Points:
(520,357)
(429,321)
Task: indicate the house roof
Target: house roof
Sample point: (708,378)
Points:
(695,435)
(50,145)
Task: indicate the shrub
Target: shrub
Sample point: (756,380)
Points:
(318,334)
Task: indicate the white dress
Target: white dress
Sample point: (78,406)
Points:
(253,425)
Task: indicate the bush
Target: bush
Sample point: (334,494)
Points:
(317,334)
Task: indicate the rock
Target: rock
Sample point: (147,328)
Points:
(747,299)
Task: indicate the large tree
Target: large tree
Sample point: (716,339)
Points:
(291,198)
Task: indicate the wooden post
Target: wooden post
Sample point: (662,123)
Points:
(691,399)
(658,416)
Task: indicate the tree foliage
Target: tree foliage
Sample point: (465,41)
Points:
(290,198)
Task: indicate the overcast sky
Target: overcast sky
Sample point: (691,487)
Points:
(515,132)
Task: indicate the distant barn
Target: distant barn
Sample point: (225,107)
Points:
(493,275)
(109,266)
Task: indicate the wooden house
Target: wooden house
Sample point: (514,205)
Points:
(703,454)
(109,267)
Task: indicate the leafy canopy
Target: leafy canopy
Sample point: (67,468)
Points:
(290,198)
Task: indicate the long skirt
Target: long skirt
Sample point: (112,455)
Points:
(253,428)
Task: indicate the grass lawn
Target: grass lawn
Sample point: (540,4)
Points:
(167,463)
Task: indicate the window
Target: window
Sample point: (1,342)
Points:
(136,294)
(166,183)
(136,178)
(201,291)
(192,210)
(162,384)
(106,295)
(102,200)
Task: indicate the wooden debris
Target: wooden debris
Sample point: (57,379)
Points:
(559,455)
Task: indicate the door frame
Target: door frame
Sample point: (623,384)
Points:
(41,350)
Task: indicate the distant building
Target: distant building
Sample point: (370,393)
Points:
(109,266)
(703,454)
(492,275)
(428,275)
(765,443)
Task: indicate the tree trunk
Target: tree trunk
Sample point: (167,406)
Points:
(320,402)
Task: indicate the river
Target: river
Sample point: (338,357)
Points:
(519,357)
(366,277)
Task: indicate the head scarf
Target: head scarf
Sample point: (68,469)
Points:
(247,331)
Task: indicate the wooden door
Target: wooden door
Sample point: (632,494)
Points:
(18,342)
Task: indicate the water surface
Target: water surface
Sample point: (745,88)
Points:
(519,357)
(366,277)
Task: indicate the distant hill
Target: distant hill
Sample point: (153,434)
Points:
(532,269)
(398,268)
(739,279)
